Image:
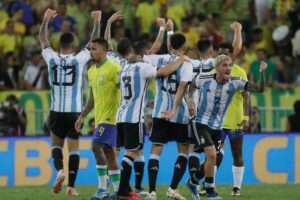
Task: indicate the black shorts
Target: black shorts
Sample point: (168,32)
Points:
(130,136)
(63,124)
(164,131)
(205,136)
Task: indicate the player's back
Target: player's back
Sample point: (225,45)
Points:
(65,77)
(166,87)
(134,79)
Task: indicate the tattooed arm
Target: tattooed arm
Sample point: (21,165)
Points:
(160,37)
(107,34)
(260,87)
(96,15)
(43,33)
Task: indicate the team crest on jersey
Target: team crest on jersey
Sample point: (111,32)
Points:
(218,92)
(101,79)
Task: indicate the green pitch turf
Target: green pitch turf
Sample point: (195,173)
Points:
(253,192)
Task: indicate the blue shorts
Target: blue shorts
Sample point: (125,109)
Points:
(232,134)
(106,134)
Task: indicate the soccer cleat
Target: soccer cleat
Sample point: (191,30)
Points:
(113,196)
(101,194)
(174,194)
(71,192)
(236,192)
(135,195)
(193,188)
(131,196)
(60,177)
(151,196)
(141,192)
(201,190)
(213,196)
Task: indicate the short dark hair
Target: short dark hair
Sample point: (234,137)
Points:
(66,40)
(226,46)
(297,106)
(12,97)
(139,48)
(124,46)
(204,45)
(102,42)
(177,41)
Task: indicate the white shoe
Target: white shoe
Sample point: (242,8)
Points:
(151,196)
(174,194)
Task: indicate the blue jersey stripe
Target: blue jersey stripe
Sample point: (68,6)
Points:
(231,88)
(180,116)
(202,109)
(74,87)
(137,89)
(217,105)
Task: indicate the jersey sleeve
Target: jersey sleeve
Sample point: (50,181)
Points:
(240,84)
(111,55)
(48,53)
(186,72)
(83,56)
(116,72)
(201,78)
(155,60)
(148,71)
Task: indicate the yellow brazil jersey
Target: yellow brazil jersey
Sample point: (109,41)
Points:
(104,82)
(235,111)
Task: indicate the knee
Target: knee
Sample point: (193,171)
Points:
(95,148)
(211,154)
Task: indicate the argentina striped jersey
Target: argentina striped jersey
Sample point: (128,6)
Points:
(215,98)
(166,87)
(65,77)
(134,83)
(111,55)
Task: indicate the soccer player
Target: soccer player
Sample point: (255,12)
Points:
(175,129)
(130,118)
(217,91)
(105,98)
(236,122)
(65,69)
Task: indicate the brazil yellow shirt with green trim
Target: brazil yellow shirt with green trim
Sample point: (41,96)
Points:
(235,111)
(104,82)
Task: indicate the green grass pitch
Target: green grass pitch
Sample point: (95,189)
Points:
(253,192)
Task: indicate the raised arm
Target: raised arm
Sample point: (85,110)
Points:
(172,67)
(178,98)
(87,109)
(96,15)
(160,37)
(107,34)
(169,28)
(237,40)
(260,87)
(43,33)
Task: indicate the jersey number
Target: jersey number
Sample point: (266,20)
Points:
(127,84)
(69,71)
(170,80)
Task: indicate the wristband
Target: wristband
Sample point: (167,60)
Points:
(170,32)
(246,118)
(162,28)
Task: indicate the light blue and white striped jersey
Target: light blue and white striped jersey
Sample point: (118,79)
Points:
(111,55)
(65,77)
(166,87)
(134,83)
(201,66)
(215,98)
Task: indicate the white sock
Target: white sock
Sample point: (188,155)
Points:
(115,178)
(215,172)
(102,176)
(238,173)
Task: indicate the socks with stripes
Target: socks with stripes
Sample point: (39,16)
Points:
(57,157)
(126,169)
(74,160)
(153,166)
(179,169)
(139,165)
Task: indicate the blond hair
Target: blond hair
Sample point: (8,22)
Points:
(221,58)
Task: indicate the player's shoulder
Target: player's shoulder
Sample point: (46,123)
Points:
(113,65)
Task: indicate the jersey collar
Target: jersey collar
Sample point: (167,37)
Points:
(101,64)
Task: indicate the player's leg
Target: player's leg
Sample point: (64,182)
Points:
(133,141)
(158,138)
(238,163)
(58,134)
(139,166)
(74,158)
(194,155)
(98,143)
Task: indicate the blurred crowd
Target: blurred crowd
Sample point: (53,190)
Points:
(270,32)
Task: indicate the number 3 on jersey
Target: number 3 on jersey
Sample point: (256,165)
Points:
(127,84)
(171,82)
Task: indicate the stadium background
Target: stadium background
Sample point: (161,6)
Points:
(271,156)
